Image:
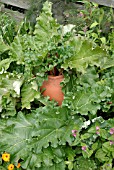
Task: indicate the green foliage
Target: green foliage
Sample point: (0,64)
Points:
(46,27)
(7,28)
(10,90)
(87,163)
(39,139)
(95,21)
(35,131)
(84,54)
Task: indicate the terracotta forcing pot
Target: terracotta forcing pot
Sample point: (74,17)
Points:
(53,88)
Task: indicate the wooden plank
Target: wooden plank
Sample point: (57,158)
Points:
(17,16)
(109,3)
(24,4)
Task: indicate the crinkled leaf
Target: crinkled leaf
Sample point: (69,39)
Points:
(109,63)
(81,102)
(30,133)
(4,64)
(89,78)
(3,46)
(8,106)
(17,133)
(53,125)
(59,166)
(10,82)
(10,85)
(87,99)
(46,26)
(67,28)
(16,50)
(82,163)
(43,159)
(84,54)
(29,92)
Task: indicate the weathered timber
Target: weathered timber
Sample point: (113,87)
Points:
(24,4)
(60,9)
(109,3)
(14,14)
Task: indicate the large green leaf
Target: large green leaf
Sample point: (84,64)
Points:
(109,63)
(29,92)
(17,49)
(85,94)
(10,85)
(59,166)
(46,26)
(28,135)
(82,102)
(48,158)
(8,106)
(4,64)
(3,46)
(17,132)
(84,53)
(89,78)
(55,127)
(82,163)
(11,82)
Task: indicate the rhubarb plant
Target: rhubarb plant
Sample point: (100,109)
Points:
(35,132)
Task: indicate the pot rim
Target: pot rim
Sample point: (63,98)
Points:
(55,77)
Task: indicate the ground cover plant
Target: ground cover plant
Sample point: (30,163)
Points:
(36,133)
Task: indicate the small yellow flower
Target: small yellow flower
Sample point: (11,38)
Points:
(10,167)
(6,157)
(18,165)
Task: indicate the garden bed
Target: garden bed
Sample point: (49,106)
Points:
(38,131)
(18,8)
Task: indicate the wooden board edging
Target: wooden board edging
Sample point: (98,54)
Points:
(24,4)
(108,3)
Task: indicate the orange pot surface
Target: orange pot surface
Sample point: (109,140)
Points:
(53,88)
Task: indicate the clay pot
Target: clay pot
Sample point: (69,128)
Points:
(53,88)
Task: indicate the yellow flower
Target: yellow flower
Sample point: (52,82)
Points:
(10,167)
(18,165)
(6,157)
